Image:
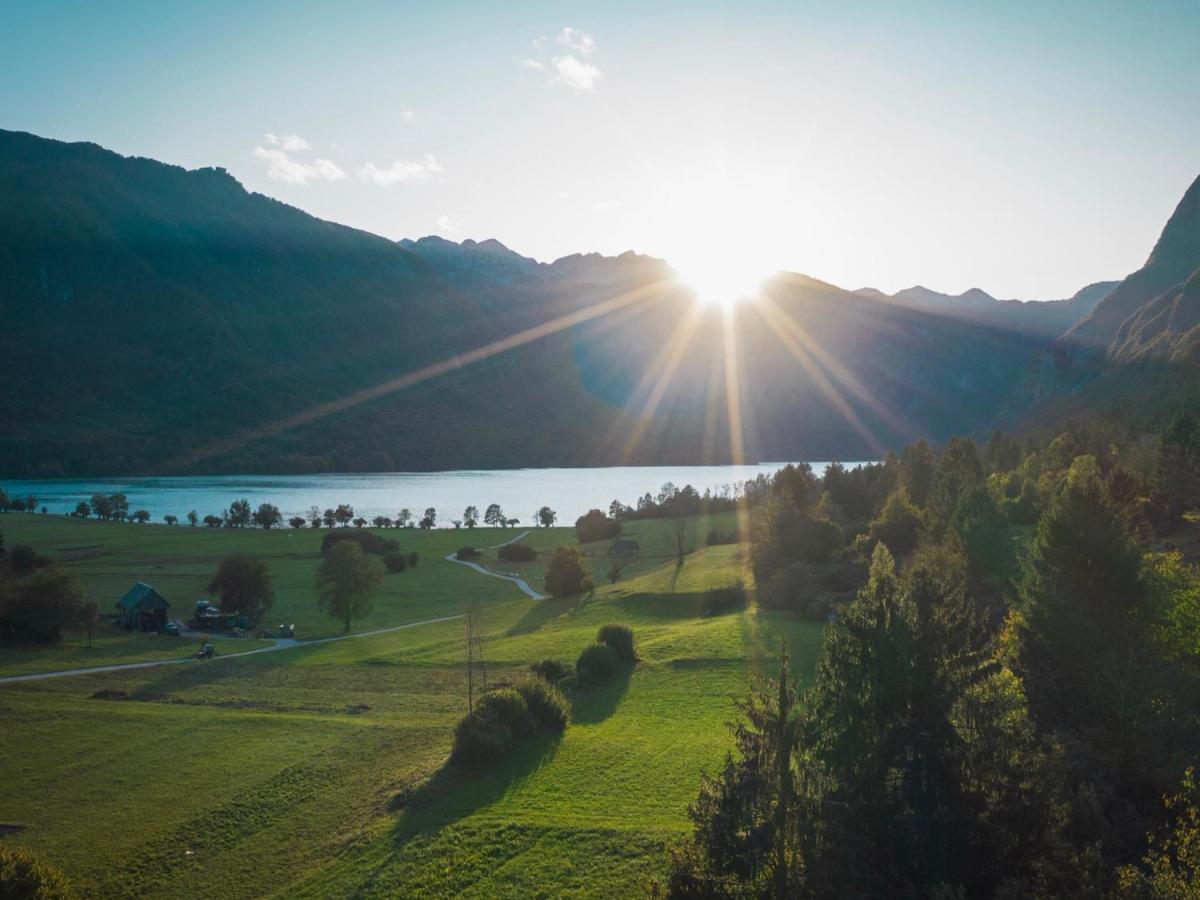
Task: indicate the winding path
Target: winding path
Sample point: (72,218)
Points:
(515,579)
(283,644)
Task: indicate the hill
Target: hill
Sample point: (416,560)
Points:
(164,320)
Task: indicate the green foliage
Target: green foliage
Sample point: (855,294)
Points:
(504,716)
(596,665)
(395,561)
(898,524)
(368,541)
(550,670)
(1171,867)
(39,606)
(547,705)
(566,573)
(620,638)
(594,525)
(243,584)
(25,877)
(1176,479)
(958,469)
(346,582)
(518,552)
(466,554)
(917,465)
(781,534)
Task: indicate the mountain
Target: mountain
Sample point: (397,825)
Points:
(1045,318)
(164,320)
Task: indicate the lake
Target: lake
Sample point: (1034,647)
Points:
(520,492)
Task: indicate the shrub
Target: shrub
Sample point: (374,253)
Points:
(517,552)
(791,587)
(368,541)
(596,664)
(395,561)
(594,525)
(499,719)
(24,875)
(412,560)
(620,638)
(465,553)
(547,705)
(550,670)
(720,537)
(566,572)
(38,607)
(718,601)
(22,558)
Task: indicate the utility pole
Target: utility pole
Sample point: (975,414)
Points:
(470,661)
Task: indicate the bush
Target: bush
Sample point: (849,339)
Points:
(500,718)
(517,552)
(368,541)
(39,606)
(718,601)
(550,670)
(594,525)
(791,587)
(596,664)
(620,638)
(395,561)
(720,537)
(548,707)
(467,553)
(22,558)
(566,572)
(23,875)
(412,560)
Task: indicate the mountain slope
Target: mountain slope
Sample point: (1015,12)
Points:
(161,320)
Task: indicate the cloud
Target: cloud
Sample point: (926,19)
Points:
(445,223)
(605,205)
(408,116)
(292,143)
(570,67)
(281,166)
(579,41)
(401,171)
(574,73)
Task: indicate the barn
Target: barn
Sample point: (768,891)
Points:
(142,609)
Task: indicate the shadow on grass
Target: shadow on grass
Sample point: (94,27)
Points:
(591,706)
(545,611)
(201,673)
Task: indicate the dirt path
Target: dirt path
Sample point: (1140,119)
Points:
(282,644)
(515,579)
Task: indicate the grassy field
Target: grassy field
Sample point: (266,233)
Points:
(320,770)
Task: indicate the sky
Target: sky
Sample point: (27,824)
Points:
(1024,148)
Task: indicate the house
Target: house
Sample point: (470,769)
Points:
(625,549)
(142,609)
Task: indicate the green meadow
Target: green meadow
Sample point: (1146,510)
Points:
(320,770)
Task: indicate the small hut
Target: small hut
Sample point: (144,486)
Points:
(142,609)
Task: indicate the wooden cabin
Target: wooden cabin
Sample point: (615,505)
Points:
(142,609)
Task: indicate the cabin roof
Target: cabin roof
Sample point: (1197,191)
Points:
(142,597)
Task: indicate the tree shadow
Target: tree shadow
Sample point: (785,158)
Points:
(544,611)
(593,705)
(202,673)
(455,792)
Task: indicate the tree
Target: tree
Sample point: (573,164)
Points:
(593,525)
(89,618)
(329,517)
(243,584)
(493,516)
(566,573)
(267,516)
(297,521)
(381,522)
(170,519)
(82,509)
(359,522)
(193,517)
(212,521)
(142,516)
(681,506)
(119,505)
(429,520)
(917,465)
(314,516)
(344,514)
(546,516)
(470,517)
(958,469)
(898,524)
(403,518)
(346,581)
(618,510)
(1176,478)
(239,514)
(39,606)
(23,875)
(102,506)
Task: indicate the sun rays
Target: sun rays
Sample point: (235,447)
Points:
(718,357)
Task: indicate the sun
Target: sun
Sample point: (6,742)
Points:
(722,234)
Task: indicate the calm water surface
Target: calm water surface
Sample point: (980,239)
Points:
(571,492)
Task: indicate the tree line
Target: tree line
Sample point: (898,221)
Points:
(1007,699)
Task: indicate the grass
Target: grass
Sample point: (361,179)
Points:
(319,771)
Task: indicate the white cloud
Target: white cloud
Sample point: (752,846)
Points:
(579,41)
(570,67)
(572,72)
(402,170)
(292,143)
(605,205)
(281,166)
(445,223)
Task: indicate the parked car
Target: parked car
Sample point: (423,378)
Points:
(171,629)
